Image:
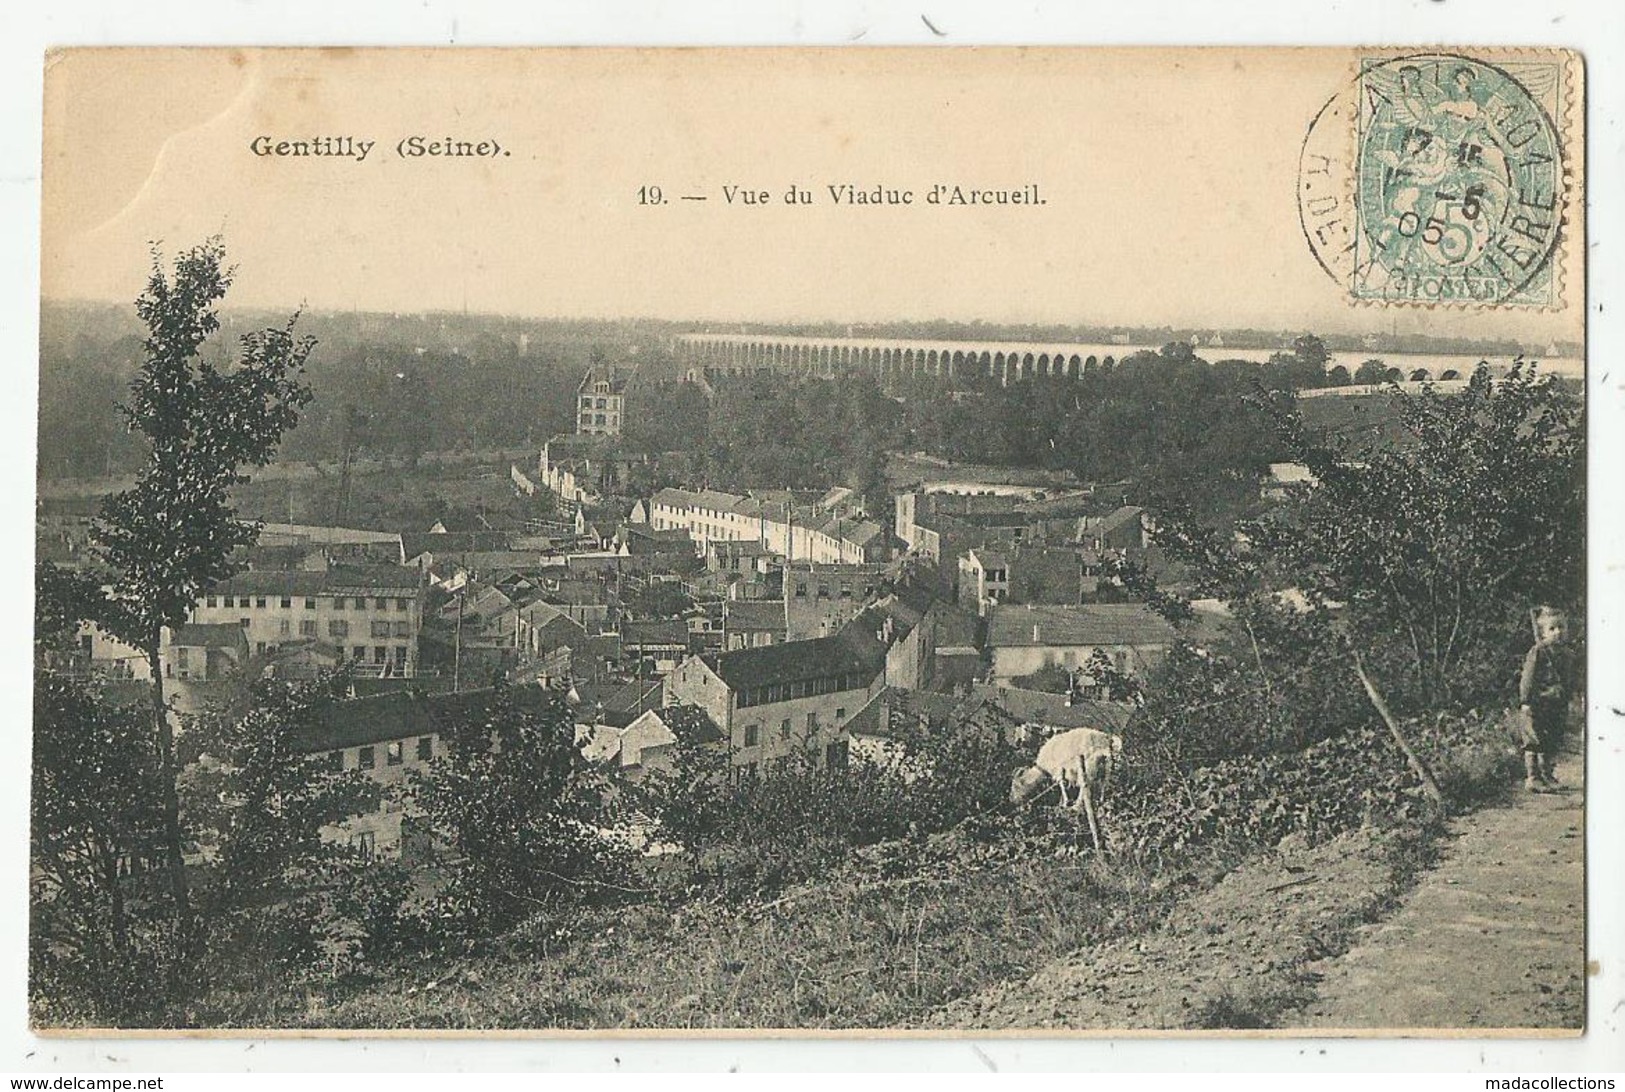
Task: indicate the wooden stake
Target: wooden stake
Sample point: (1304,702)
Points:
(1429,785)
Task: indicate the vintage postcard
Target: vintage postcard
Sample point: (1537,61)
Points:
(1056,541)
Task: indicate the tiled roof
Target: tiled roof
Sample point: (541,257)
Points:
(325,536)
(418,542)
(635,696)
(1042,707)
(1085,624)
(492,563)
(1126,514)
(374,577)
(659,632)
(208,635)
(712,499)
(989,559)
(852,651)
(753,614)
(405,714)
(269,582)
(858,532)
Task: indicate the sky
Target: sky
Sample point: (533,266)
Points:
(1169,181)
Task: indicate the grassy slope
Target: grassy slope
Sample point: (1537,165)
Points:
(883,942)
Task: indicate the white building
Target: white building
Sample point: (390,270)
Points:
(713,516)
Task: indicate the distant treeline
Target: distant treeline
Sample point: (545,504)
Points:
(1181,428)
(384,385)
(400,386)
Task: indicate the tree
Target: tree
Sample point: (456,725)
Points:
(173,534)
(1435,549)
(689,798)
(1310,351)
(520,809)
(256,800)
(1371,372)
(95,820)
(1398,583)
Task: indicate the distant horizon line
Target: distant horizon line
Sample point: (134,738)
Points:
(308,309)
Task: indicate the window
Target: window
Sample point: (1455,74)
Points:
(243,622)
(380,603)
(801,589)
(403,604)
(840,716)
(812,724)
(210,601)
(360,603)
(285,627)
(285,602)
(379,654)
(425,748)
(338,628)
(403,629)
(365,843)
(310,602)
(358,653)
(752,735)
(335,761)
(259,648)
(338,602)
(259,603)
(366,758)
(393,753)
(307,627)
(380,629)
(180,657)
(784,728)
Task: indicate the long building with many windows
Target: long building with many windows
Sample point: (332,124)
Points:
(798,535)
(371,614)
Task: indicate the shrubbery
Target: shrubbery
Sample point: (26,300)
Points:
(751,834)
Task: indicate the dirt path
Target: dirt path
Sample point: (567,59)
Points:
(1344,935)
(1493,937)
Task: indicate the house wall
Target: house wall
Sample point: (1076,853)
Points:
(390,622)
(110,656)
(904,507)
(818,602)
(693,683)
(798,725)
(794,540)
(910,662)
(599,412)
(381,827)
(1134,660)
(774,729)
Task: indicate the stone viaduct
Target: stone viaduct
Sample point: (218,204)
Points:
(1003,362)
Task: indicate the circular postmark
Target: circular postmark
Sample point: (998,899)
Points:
(1438,178)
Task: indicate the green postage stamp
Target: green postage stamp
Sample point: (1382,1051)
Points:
(1458,187)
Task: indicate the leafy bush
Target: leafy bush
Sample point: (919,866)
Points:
(750,834)
(522,813)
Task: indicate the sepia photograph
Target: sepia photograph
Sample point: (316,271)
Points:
(787,541)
